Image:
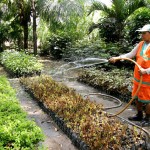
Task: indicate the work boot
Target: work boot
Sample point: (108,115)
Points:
(146,121)
(137,117)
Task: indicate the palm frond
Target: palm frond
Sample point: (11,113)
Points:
(93,26)
(60,11)
(134,5)
(119,9)
(99,6)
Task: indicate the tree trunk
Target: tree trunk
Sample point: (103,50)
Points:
(34,28)
(25,28)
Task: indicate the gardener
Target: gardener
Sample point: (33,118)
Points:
(142,53)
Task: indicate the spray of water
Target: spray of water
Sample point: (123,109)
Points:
(87,62)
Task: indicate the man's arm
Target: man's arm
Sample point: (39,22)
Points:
(128,55)
(131,54)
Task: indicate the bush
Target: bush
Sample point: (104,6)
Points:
(20,64)
(16,131)
(137,20)
(95,48)
(90,48)
(115,82)
(108,29)
(84,117)
(58,44)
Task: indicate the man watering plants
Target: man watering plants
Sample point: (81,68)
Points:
(142,54)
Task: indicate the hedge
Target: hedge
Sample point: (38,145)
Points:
(16,131)
(20,64)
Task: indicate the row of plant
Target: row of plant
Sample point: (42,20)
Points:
(62,47)
(117,82)
(16,131)
(20,64)
(85,119)
(94,48)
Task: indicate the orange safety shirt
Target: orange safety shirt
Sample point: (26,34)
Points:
(143,59)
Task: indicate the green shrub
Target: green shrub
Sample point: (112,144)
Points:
(137,20)
(58,44)
(108,29)
(86,48)
(115,81)
(97,48)
(19,63)
(16,131)
(86,118)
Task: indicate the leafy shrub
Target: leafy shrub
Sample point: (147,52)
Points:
(58,44)
(88,48)
(98,49)
(137,20)
(19,63)
(16,131)
(109,30)
(84,117)
(115,81)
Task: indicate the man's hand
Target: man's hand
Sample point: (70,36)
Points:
(142,71)
(113,59)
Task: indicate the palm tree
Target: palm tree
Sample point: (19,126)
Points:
(24,12)
(60,12)
(21,10)
(34,13)
(115,15)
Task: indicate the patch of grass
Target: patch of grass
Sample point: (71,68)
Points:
(16,131)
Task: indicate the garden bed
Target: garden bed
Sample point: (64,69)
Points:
(19,64)
(115,82)
(16,131)
(83,121)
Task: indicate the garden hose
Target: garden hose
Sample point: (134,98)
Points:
(139,86)
(105,95)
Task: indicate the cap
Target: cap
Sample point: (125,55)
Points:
(144,29)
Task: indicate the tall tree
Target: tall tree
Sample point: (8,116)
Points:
(24,12)
(21,10)
(59,12)
(34,27)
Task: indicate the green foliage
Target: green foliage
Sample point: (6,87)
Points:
(94,48)
(3,34)
(67,21)
(84,117)
(20,64)
(112,25)
(115,81)
(61,14)
(43,34)
(16,131)
(137,20)
(86,48)
(15,18)
(58,44)
(5,28)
